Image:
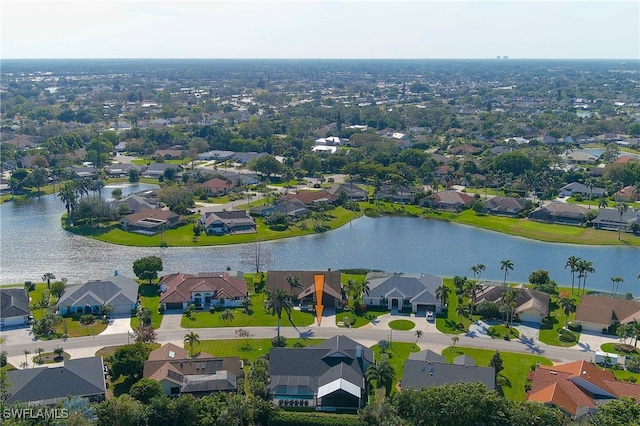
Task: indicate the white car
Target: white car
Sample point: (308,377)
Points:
(430,316)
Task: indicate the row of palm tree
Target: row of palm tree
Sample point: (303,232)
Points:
(583,268)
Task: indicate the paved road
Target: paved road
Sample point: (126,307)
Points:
(436,339)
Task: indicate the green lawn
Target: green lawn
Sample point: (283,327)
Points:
(401,325)
(245,349)
(149,299)
(360,319)
(609,347)
(183,235)
(498,331)
(259,318)
(516,367)
(453,324)
(398,354)
(556,319)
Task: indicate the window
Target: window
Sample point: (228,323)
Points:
(175,390)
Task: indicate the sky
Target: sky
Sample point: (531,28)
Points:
(359,29)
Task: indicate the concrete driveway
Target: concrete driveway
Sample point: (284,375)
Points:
(118,325)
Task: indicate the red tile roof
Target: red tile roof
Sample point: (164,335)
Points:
(180,286)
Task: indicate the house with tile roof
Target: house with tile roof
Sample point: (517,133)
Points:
(399,291)
(88,298)
(425,369)
(309,198)
(227,222)
(628,193)
(578,388)
(574,188)
(312,282)
(14,307)
(203,289)
(595,313)
(451,200)
(82,377)
(531,305)
(504,206)
(216,187)
(352,191)
(199,375)
(562,213)
(328,376)
(150,221)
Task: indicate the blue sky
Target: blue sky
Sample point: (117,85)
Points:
(320,29)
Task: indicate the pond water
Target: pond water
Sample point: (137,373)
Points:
(32,243)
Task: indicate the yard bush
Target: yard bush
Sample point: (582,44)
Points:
(487,310)
(621,347)
(575,327)
(279,342)
(567,336)
(87,319)
(292,418)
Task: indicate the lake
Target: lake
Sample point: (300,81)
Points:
(32,243)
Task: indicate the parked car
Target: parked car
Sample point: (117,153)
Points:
(430,316)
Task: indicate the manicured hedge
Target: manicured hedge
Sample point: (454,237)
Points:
(292,418)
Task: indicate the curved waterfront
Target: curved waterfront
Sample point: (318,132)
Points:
(33,243)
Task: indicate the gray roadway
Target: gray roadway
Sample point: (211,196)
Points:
(435,339)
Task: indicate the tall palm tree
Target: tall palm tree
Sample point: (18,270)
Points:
(506,266)
(191,338)
(481,268)
(418,334)
(382,372)
(585,268)
(603,203)
(442,294)
(572,262)
(622,208)
(365,287)
(69,197)
(509,299)
(48,277)
(567,305)
(471,288)
(615,282)
(454,340)
(294,282)
(351,288)
(277,302)
(26,353)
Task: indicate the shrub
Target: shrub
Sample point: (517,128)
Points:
(567,336)
(161,310)
(621,347)
(188,313)
(212,309)
(87,319)
(575,327)
(29,286)
(3,359)
(279,342)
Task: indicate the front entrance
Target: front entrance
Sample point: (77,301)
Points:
(394,303)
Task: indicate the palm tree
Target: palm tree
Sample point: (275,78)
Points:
(506,266)
(191,338)
(461,310)
(418,334)
(572,262)
(622,208)
(227,315)
(26,353)
(480,267)
(69,197)
(39,353)
(454,340)
(603,203)
(442,294)
(277,302)
(48,277)
(508,299)
(567,305)
(294,282)
(475,271)
(585,268)
(365,287)
(615,282)
(382,373)
(471,288)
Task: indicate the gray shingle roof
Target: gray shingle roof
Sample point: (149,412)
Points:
(114,291)
(421,287)
(424,374)
(78,377)
(14,302)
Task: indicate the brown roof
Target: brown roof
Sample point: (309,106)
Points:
(310,197)
(180,286)
(566,386)
(162,353)
(603,310)
(165,215)
(217,184)
(527,298)
(278,280)
(452,197)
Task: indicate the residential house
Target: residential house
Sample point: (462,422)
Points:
(313,283)
(328,376)
(170,154)
(451,200)
(579,157)
(628,193)
(562,213)
(150,221)
(134,203)
(81,377)
(216,155)
(121,170)
(595,313)
(398,291)
(216,187)
(309,198)
(89,172)
(200,375)
(156,170)
(119,291)
(247,157)
(578,388)
(574,188)
(293,208)
(611,220)
(353,192)
(324,149)
(203,289)
(504,206)
(331,141)
(426,369)
(396,193)
(14,307)
(531,305)
(227,222)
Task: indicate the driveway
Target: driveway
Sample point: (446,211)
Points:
(590,341)
(118,325)
(171,320)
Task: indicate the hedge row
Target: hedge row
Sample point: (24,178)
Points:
(292,418)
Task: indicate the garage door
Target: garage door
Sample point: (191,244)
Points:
(174,306)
